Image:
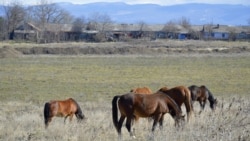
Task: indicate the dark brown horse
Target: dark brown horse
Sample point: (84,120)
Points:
(180,95)
(202,94)
(142,105)
(142,90)
(65,108)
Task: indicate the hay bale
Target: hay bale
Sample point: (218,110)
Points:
(9,52)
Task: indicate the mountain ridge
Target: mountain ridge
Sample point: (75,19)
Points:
(197,13)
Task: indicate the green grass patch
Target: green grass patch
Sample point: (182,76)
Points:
(94,78)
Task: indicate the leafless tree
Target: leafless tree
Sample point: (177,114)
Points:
(232,33)
(78,26)
(184,22)
(3,30)
(170,28)
(14,15)
(100,22)
(44,14)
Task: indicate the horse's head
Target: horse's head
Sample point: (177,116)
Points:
(213,104)
(163,89)
(179,120)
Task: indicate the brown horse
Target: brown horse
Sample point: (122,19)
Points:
(65,108)
(202,94)
(142,90)
(180,95)
(142,105)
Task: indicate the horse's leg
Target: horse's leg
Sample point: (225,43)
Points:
(156,120)
(189,108)
(65,119)
(201,106)
(161,121)
(71,117)
(204,103)
(128,126)
(122,118)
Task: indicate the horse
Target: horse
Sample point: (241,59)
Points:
(141,90)
(141,105)
(64,108)
(180,95)
(202,94)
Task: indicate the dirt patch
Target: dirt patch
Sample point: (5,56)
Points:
(141,48)
(9,52)
(126,50)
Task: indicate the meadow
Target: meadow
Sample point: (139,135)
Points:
(27,82)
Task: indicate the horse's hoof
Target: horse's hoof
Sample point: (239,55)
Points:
(133,137)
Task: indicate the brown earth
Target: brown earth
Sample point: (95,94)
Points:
(106,49)
(126,50)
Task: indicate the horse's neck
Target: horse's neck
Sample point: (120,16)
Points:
(175,108)
(210,96)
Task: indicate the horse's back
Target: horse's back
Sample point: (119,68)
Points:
(142,90)
(63,107)
(176,93)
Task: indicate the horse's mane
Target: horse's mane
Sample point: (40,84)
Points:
(174,106)
(79,110)
(210,95)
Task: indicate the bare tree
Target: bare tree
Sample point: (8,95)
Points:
(100,22)
(14,15)
(3,30)
(232,33)
(78,26)
(184,22)
(170,28)
(44,14)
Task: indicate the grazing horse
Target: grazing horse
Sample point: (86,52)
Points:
(202,94)
(65,108)
(180,95)
(143,90)
(142,105)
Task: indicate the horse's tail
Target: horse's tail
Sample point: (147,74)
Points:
(115,111)
(188,101)
(46,113)
(79,114)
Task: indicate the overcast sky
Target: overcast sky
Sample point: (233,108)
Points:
(160,2)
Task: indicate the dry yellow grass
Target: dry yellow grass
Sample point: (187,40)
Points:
(28,82)
(24,121)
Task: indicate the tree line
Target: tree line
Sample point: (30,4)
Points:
(44,13)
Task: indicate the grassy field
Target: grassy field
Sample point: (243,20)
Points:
(28,82)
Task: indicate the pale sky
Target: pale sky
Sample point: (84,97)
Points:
(159,2)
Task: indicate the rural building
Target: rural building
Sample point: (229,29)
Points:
(121,32)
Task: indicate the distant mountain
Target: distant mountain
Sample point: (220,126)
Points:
(198,14)
(156,14)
